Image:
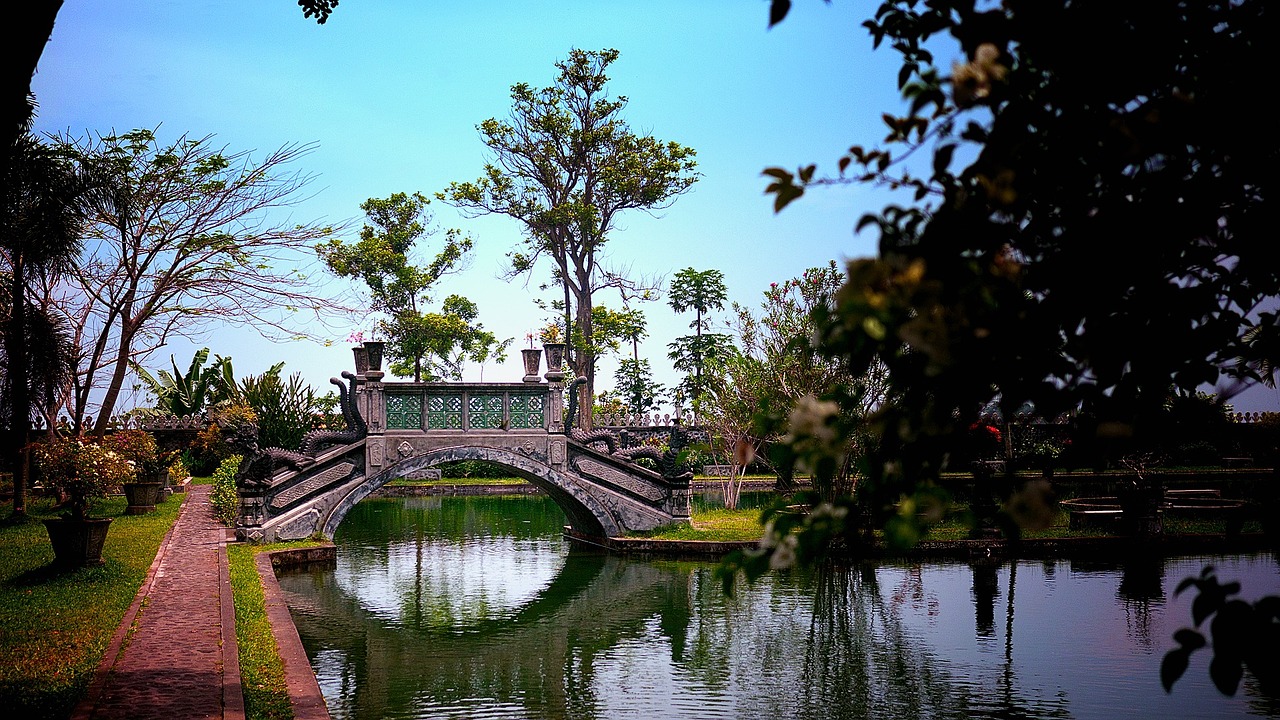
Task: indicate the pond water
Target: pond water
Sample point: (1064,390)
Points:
(461,607)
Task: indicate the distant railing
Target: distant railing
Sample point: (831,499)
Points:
(1245,418)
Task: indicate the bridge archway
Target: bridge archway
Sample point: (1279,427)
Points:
(585,513)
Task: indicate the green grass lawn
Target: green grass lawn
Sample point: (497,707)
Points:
(266,696)
(734,525)
(401,482)
(55,625)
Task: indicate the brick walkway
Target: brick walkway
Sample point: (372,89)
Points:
(180,661)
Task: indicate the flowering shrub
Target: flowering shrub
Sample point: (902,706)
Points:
(550,333)
(82,470)
(139,447)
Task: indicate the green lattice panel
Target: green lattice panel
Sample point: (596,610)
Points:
(404,412)
(526,411)
(484,412)
(444,412)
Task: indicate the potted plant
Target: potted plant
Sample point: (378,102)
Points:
(532,357)
(83,471)
(151,468)
(374,350)
(551,342)
(361,352)
(1141,496)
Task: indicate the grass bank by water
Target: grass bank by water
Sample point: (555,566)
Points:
(55,625)
(266,693)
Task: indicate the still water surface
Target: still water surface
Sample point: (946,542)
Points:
(462,607)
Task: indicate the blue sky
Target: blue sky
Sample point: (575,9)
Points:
(391,91)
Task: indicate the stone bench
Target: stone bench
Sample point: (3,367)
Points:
(1093,518)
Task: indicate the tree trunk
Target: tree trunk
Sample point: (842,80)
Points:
(117,380)
(20,398)
(586,361)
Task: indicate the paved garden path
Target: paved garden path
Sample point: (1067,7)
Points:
(179,657)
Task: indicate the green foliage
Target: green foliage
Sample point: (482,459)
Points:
(473,469)
(636,387)
(223,497)
(42,207)
(286,410)
(1244,635)
(266,693)
(420,344)
(566,166)
(700,291)
(83,470)
(190,393)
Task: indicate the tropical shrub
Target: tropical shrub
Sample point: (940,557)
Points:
(286,409)
(223,497)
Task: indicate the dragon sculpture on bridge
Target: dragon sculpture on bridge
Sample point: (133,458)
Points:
(259,465)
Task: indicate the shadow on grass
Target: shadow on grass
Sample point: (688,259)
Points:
(53,572)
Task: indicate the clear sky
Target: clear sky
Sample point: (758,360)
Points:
(390,92)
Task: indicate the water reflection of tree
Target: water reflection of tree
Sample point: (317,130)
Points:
(1141,589)
(1140,592)
(833,644)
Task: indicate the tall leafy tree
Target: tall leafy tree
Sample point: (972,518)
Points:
(566,165)
(420,343)
(635,384)
(42,212)
(701,291)
(778,370)
(183,238)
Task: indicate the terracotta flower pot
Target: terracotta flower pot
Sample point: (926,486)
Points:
(77,543)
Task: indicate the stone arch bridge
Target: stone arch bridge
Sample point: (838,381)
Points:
(405,426)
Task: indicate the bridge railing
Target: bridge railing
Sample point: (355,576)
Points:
(463,407)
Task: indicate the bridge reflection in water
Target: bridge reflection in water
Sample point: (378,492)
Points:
(475,607)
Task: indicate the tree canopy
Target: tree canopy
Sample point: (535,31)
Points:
(420,343)
(566,165)
(1085,229)
(182,236)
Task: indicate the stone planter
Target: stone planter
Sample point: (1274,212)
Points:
(555,360)
(1142,510)
(374,350)
(361,354)
(532,358)
(77,543)
(162,477)
(142,496)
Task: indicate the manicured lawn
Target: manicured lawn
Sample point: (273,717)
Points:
(732,525)
(261,670)
(54,626)
(401,482)
(266,697)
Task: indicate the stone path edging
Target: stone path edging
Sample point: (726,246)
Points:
(300,679)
